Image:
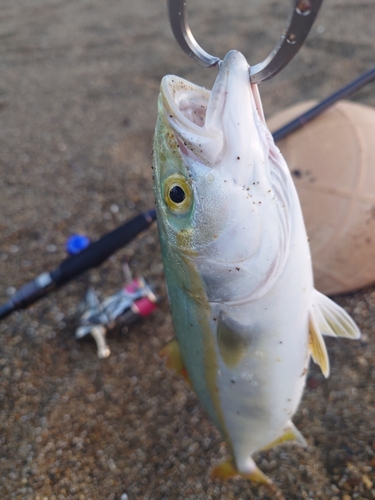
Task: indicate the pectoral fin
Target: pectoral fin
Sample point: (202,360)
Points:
(289,434)
(331,319)
(173,359)
(317,346)
(233,340)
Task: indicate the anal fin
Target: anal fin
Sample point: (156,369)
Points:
(290,434)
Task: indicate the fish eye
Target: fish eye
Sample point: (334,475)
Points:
(177,194)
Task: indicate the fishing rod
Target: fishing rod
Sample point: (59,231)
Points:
(312,113)
(91,256)
(99,251)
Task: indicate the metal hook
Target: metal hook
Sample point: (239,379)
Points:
(301,20)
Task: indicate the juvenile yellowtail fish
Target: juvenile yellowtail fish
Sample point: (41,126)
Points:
(237,263)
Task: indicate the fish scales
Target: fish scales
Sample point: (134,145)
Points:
(237,262)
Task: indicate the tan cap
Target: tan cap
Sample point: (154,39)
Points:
(332,160)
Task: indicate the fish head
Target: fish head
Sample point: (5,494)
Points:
(214,180)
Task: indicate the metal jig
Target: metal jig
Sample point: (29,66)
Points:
(301,20)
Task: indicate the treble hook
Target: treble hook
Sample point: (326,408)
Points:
(301,20)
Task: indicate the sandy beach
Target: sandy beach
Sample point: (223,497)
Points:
(79,82)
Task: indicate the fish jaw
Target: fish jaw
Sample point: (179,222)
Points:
(223,129)
(239,218)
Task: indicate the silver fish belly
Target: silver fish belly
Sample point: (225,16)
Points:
(237,261)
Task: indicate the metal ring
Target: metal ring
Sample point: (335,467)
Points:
(300,22)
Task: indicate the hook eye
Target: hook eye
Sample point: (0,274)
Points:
(302,18)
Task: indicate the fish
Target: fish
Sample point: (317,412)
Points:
(237,263)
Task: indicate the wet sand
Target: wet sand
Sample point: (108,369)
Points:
(78,88)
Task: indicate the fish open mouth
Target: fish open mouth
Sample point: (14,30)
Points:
(218,125)
(185,107)
(193,107)
(204,108)
(185,102)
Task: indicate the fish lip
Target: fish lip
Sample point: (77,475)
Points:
(172,88)
(183,107)
(234,63)
(219,127)
(172,93)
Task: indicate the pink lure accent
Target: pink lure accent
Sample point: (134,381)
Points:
(144,306)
